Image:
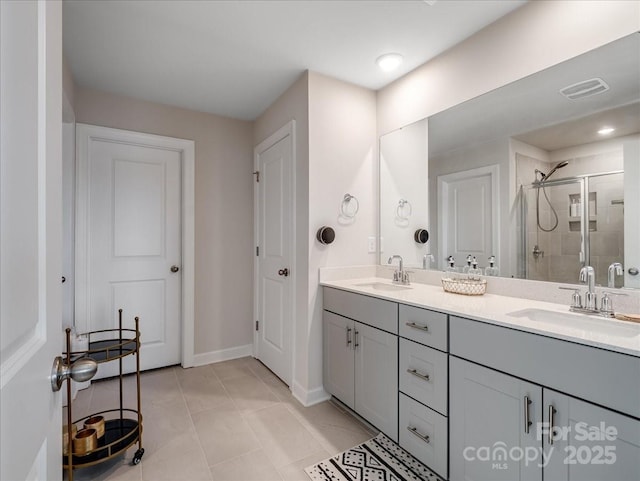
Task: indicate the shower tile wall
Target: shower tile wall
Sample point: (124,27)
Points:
(561,260)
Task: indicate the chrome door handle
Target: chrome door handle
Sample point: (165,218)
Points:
(283,272)
(424,377)
(527,417)
(81,370)
(174,269)
(552,411)
(415,432)
(355,344)
(417,326)
(348,336)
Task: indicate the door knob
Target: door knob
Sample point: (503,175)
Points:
(81,370)
(175,269)
(283,272)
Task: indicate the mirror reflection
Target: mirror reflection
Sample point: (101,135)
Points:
(540,176)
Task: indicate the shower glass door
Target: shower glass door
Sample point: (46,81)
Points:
(569,223)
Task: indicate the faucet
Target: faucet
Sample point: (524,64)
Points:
(615,269)
(588,276)
(400,276)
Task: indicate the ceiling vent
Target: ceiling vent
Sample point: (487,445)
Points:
(584,89)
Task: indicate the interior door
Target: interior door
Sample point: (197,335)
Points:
(274,162)
(132,213)
(30,243)
(469,220)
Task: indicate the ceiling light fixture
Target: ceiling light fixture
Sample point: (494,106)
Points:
(606,130)
(389,61)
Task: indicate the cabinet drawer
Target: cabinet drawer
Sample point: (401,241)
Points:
(368,310)
(423,433)
(423,326)
(418,362)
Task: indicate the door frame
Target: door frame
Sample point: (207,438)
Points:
(289,129)
(443,203)
(85,133)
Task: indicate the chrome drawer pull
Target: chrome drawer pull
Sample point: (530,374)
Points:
(415,432)
(417,326)
(527,416)
(552,412)
(348,336)
(424,377)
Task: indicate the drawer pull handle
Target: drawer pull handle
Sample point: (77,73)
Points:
(356,344)
(552,411)
(348,336)
(527,417)
(424,377)
(418,326)
(415,432)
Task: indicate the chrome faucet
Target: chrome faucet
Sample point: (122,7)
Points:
(615,269)
(588,276)
(400,276)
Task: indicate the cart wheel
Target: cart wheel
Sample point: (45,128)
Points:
(138,456)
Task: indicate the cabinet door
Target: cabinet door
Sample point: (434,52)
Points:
(487,416)
(590,443)
(338,364)
(377,378)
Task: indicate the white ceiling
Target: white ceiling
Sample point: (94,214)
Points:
(234,58)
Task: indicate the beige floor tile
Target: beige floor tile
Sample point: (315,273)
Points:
(117,469)
(202,393)
(284,439)
(335,440)
(180,459)
(295,471)
(249,393)
(195,373)
(161,424)
(232,369)
(326,414)
(260,369)
(253,466)
(223,433)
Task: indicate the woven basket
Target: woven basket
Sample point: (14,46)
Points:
(467,287)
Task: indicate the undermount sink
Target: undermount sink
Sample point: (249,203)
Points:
(382,286)
(579,321)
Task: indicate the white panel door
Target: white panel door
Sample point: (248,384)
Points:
(487,416)
(134,242)
(590,443)
(631,152)
(469,223)
(30,238)
(275,300)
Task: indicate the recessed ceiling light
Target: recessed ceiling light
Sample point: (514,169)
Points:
(606,130)
(389,61)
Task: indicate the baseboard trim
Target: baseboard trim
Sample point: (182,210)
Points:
(228,354)
(309,397)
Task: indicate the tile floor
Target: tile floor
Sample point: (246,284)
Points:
(233,420)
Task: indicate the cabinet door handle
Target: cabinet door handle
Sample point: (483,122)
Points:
(424,377)
(552,411)
(348,336)
(527,417)
(355,344)
(415,432)
(418,326)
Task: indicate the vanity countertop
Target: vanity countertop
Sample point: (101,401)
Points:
(551,320)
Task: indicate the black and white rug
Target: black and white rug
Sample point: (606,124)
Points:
(379,459)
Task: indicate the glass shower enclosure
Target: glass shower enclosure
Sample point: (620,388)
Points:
(571,222)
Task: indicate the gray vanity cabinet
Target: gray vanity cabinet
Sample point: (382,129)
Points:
(488,411)
(608,450)
(360,356)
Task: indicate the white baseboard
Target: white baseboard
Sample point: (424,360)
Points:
(311,397)
(222,355)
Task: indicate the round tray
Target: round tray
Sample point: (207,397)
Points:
(119,435)
(103,347)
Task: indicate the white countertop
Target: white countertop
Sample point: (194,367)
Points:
(610,334)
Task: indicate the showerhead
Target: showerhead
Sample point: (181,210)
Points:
(559,165)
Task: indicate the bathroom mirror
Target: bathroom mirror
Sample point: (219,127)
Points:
(502,167)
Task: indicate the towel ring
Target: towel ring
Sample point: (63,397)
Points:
(400,209)
(346,202)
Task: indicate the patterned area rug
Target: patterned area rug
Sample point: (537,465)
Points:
(379,459)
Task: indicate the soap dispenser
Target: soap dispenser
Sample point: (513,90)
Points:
(451,267)
(474,272)
(492,270)
(465,269)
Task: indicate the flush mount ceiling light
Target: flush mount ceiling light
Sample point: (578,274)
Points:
(606,130)
(389,61)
